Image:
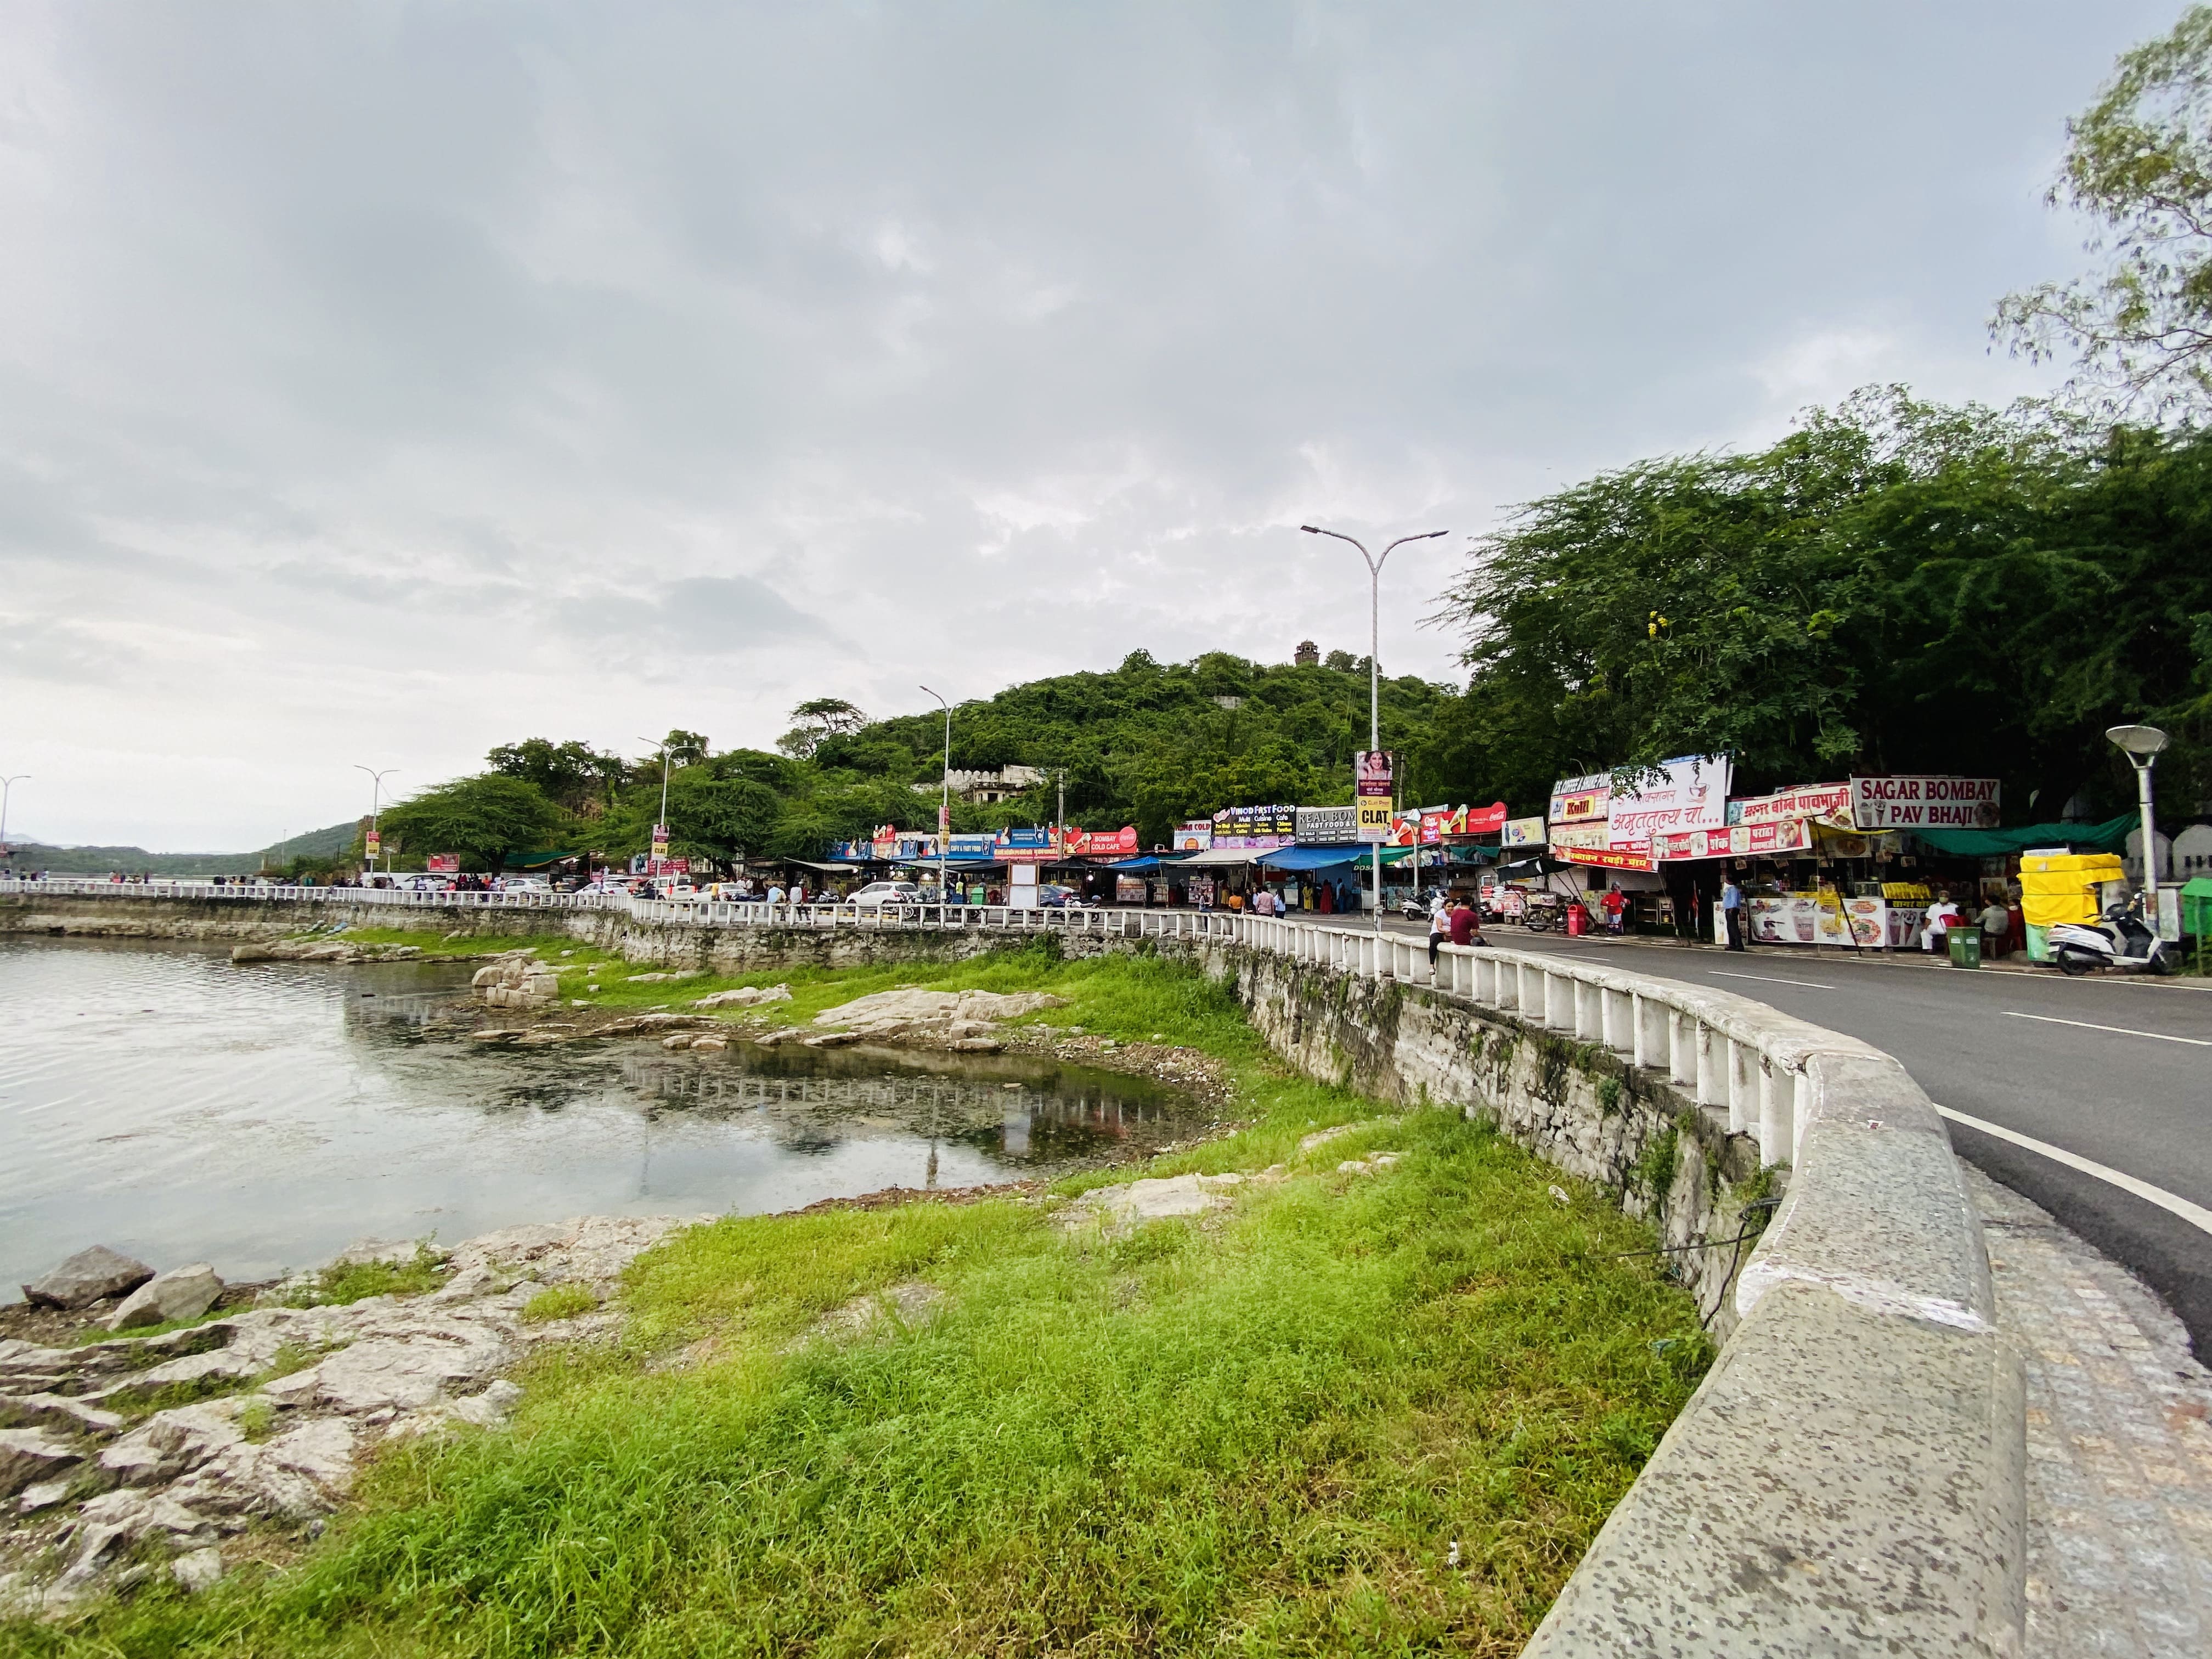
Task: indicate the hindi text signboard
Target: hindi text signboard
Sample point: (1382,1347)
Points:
(1689,792)
(1811,801)
(1608,858)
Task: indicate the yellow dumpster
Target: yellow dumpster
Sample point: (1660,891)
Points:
(2056,887)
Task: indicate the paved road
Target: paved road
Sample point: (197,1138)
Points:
(2141,1104)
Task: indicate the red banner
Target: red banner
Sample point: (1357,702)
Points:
(443,864)
(1605,858)
(1102,843)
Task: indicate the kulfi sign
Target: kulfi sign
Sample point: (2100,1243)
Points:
(1925,803)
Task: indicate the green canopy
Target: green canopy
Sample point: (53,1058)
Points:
(534,860)
(2109,836)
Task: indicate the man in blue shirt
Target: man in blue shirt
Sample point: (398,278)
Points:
(1732,911)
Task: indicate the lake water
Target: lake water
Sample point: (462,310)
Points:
(156,1099)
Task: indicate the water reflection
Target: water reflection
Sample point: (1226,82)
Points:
(155,1098)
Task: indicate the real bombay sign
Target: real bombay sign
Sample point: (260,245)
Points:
(1925,803)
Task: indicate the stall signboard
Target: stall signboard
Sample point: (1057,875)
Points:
(1104,844)
(1564,836)
(969,847)
(1740,840)
(1371,787)
(1481,820)
(1323,825)
(660,841)
(668,866)
(1608,858)
(883,844)
(1128,889)
(1197,836)
(1689,792)
(371,845)
(1198,890)
(1031,846)
(1580,800)
(1521,832)
(443,864)
(1811,801)
(1925,803)
(1255,827)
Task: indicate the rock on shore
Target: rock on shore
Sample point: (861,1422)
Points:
(518,980)
(299,1395)
(88,1277)
(322,950)
(964,1020)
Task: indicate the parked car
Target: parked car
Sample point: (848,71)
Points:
(877,893)
(528,884)
(1052,898)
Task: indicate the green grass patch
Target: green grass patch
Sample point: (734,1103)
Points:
(1258,1432)
(558,1301)
(356,1281)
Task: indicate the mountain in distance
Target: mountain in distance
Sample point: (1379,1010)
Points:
(137,861)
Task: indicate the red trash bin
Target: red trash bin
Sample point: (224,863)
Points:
(1578,921)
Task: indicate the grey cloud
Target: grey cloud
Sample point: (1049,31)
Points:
(698,616)
(423,344)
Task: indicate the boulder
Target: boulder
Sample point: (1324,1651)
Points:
(56,1411)
(936,1007)
(27,1457)
(745,996)
(709,1045)
(197,1570)
(86,1277)
(179,1293)
(250,953)
(679,1041)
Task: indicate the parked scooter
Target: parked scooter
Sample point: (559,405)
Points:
(2119,940)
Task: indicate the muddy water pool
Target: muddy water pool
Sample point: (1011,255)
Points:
(157,1099)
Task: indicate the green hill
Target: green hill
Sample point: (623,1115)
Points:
(137,860)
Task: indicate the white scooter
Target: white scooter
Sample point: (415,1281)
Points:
(2119,940)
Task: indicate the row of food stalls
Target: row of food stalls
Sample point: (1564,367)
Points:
(1310,857)
(1856,863)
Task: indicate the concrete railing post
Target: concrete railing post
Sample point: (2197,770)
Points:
(1616,1019)
(1530,990)
(1740,1057)
(1682,1047)
(1775,1103)
(1708,1088)
(1589,1013)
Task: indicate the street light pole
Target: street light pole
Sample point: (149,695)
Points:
(1375,662)
(2142,746)
(7,784)
(945,807)
(375,802)
(662,822)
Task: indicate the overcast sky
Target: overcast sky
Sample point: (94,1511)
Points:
(380,383)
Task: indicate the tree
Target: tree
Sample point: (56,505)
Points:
(818,718)
(484,818)
(2139,164)
(579,778)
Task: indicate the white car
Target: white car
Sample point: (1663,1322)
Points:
(528,884)
(877,893)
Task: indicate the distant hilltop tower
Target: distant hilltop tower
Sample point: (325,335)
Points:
(1308,655)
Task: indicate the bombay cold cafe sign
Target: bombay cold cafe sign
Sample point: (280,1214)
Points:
(1925,803)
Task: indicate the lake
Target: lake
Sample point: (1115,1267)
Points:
(159,1100)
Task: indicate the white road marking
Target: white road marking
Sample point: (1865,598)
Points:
(2123,1031)
(1722,973)
(2194,1214)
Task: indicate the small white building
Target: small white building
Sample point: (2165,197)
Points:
(987,788)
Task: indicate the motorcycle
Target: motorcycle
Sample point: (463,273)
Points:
(2120,940)
(1413,910)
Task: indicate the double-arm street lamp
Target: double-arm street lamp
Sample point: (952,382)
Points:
(1375,657)
(2142,746)
(375,804)
(944,805)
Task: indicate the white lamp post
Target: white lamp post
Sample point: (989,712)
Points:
(6,784)
(945,811)
(2141,745)
(375,801)
(661,743)
(1375,661)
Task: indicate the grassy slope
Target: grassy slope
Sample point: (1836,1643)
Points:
(1258,1434)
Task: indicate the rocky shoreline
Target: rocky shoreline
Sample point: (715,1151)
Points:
(170,1452)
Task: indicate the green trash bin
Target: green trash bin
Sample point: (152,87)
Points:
(1965,944)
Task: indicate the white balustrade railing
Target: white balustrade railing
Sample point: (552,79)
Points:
(269,892)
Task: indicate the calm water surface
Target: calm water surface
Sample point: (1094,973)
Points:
(154,1098)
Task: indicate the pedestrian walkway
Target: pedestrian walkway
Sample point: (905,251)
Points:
(2119,1446)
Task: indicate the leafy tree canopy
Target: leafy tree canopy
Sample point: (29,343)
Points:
(484,818)
(2138,165)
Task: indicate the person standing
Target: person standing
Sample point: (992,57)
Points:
(1439,930)
(1732,911)
(1615,906)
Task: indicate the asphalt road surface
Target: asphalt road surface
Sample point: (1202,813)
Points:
(2114,1070)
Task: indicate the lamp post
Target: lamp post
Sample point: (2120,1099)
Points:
(1375,661)
(945,808)
(661,822)
(375,802)
(2141,745)
(6,784)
